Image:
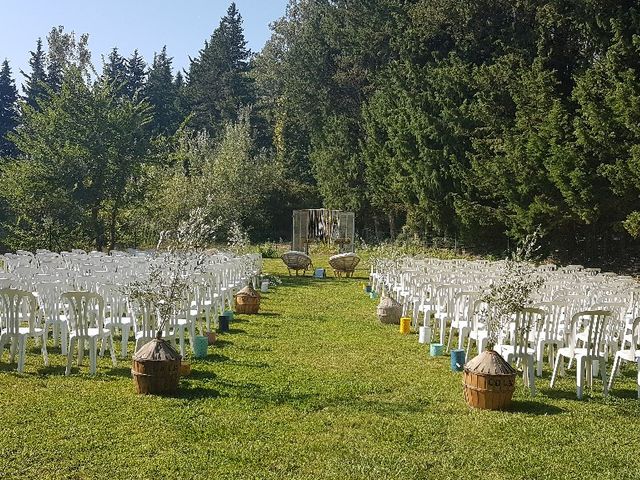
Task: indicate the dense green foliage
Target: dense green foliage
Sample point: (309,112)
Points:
(308,393)
(475,120)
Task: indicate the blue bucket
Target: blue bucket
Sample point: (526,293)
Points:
(435,349)
(367,289)
(200,346)
(223,323)
(457,360)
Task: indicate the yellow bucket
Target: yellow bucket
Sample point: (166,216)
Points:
(405,325)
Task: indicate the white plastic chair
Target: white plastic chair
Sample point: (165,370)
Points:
(526,321)
(86,319)
(17,308)
(631,354)
(593,348)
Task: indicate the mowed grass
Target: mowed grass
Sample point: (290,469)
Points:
(313,387)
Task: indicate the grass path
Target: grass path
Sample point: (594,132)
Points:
(313,387)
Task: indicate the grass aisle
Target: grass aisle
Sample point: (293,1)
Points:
(313,387)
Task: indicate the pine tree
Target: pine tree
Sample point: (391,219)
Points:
(161,92)
(8,109)
(34,87)
(114,71)
(218,84)
(135,74)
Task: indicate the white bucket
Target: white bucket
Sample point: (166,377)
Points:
(424,335)
(264,286)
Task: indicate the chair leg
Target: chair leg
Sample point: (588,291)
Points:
(22,347)
(93,353)
(603,374)
(80,343)
(125,341)
(580,367)
(64,339)
(12,349)
(45,354)
(532,377)
(57,331)
(3,342)
(540,358)
(639,377)
(70,356)
(614,370)
(112,351)
(450,336)
(555,369)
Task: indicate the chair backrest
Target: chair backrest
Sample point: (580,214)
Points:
(16,307)
(635,337)
(146,318)
(556,317)
(528,322)
(595,324)
(85,310)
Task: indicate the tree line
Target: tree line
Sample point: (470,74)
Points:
(477,121)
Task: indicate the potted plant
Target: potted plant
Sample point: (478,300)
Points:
(179,254)
(489,380)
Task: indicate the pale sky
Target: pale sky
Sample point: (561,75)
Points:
(147,25)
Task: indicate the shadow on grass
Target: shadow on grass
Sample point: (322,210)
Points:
(222,343)
(562,394)
(234,331)
(191,393)
(124,372)
(212,358)
(532,407)
(269,314)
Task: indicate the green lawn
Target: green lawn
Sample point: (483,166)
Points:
(313,387)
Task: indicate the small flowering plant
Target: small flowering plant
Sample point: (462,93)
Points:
(514,290)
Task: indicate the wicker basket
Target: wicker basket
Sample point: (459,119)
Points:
(345,263)
(297,261)
(156,368)
(389,311)
(489,381)
(247,300)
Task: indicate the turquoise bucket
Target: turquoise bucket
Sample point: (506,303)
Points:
(228,314)
(436,349)
(373,295)
(457,360)
(200,346)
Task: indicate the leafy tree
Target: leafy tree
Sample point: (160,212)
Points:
(64,52)
(9,115)
(82,152)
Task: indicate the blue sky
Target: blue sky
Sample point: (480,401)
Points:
(128,24)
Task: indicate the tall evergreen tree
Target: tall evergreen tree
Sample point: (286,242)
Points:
(114,71)
(162,93)
(8,109)
(135,74)
(218,83)
(34,87)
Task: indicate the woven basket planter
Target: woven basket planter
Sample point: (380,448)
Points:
(296,261)
(389,311)
(489,381)
(156,368)
(247,300)
(344,264)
